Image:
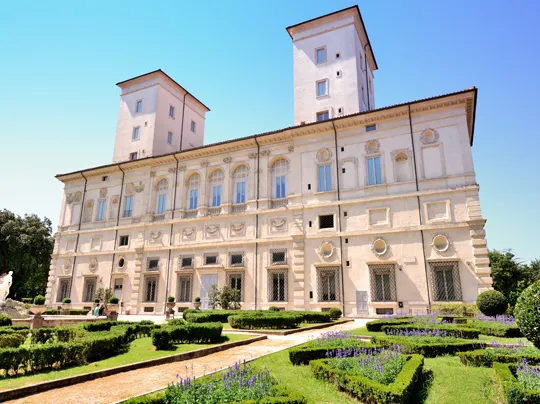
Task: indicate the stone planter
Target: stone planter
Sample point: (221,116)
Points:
(65,309)
(111,308)
(170,310)
(38,309)
(197,305)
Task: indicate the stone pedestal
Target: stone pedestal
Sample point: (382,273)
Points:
(37,322)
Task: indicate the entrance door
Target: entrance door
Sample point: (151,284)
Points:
(206,286)
(361,302)
(118,284)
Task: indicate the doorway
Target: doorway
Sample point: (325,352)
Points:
(206,286)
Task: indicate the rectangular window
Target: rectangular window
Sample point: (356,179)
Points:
(101,209)
(89,289)
(328,285)
(183,293)
(171,111)
(325,178)
(152,264)
(281,187)
(136,133)
(133,156)
(322,88)
(320,55)
(383,284)
(326,222)
(138,108)
(161,204)
(193,126)
(374,171)
(322,116)
(216,195)
(124,241)
(237,260)
(445,281)
(210,259)
(63,289)
(240,192)
(235,281)
(277,286)
(128,206)
(278,257)
(186,262)
(370,128)
(193,198)
(169,138)
(150,288)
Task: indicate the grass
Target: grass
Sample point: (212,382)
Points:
(365,333)
(140,350)
(503,340)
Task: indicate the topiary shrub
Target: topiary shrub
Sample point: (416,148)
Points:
(39,300)
(66,300)
(114,300)
(170,299)
(527,313)
(5,320)
(273,308)
(491,303)
(335,313)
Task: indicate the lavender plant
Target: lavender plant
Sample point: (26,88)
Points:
(528,376)
(501,319)
(335,338)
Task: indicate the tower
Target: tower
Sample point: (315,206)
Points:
(333,66)
(157,116)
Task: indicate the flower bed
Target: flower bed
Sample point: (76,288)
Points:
(521,383)
(435,330)
(501,353)
(429,346)
(239,385)
(498,326)
(367,378)
(377,325)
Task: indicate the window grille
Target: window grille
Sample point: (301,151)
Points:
(152,264)
(124,241)
(326,222)
(278,256)
(183,290)
(236,260)
(64,289)
(89,289)
(210,259)
(383,283)
(186,262)
(445,281)
(150,288)
(277,285)
(328,284)
(235,280)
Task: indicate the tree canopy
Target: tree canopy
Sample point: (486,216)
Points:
(26,245)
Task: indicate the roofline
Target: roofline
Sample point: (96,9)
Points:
(473,89)
(170,78)
(336,12)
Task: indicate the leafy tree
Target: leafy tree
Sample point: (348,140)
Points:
(214,297)
(26,245)
(229,298)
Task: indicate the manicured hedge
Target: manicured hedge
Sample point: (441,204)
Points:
(486,357)
(497,330)
(5,320)
(315,316)
(22,330)
(451,330)
(377,325)
(452,319)
(11,340)
(58,334)
(165,337)
(460,309)
(431,349)
(273,321)
(304,354)
(369,391)
(222,316)
(72,312)
(513,391)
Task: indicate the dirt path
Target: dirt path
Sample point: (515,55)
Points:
(128,384)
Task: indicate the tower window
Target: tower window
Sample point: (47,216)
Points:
(169,138)
(320,55)
(138,107)
(124,241)
(322,88)
(322,116)
(338,73)
(136,133)
(133,156)
(326,221)
(340,110)
(171,111)
(370,128)
(193,126)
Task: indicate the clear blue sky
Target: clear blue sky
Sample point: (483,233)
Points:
(60,61)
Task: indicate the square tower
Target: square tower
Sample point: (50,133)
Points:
(157,116)
(333,66)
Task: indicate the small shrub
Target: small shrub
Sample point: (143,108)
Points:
(486,357)
(335,313)
(273,308)
(114,300)
(39,300)
(97,300)
(5,321)
(176,322)
(273,321)
(527,312)
(492,303)
(429,347)
(377,325)
(66,300)
(170,299)
(11,340)
(27,300)
(197,299)
(459,309)
(189,333)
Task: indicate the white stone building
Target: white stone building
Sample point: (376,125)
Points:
(369,210)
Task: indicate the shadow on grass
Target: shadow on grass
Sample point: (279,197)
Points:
(424,384)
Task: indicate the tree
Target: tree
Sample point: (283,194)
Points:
(26,245)
(511,277)
(214,297)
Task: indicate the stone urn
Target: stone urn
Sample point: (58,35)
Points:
(38,309)
(111,310)
(197,305)
(170,310)
(65,309)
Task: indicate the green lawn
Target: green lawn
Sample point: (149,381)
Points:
(365,333)
(140,350)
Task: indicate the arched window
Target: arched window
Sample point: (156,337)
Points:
(240,184)
(280,169)
(402,168)
(161,195)
(216,187)
(193,191)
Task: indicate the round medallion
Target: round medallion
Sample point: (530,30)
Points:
(379,246)
(327,249)
(440,243)
(93,264)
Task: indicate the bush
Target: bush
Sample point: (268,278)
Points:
(97,300)
(5,321)
(460,309)
(273,308)
(335,313)
(304,354)
(170,299)
(189,333)
(176,322)
(450,330)
(452,319)
(527,313)
(114,300)
(513,391)
(369,391)
(71,312)
(312,316)
(377,325)
(66,300)
(486,357)
(273,321)
(189,311)
(11,340)
(27,300)
(496,329)
(39,300)
(492,303)
(197,299)
(429,349)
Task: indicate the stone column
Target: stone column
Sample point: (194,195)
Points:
(227,185)
(265,178)
(203,199)
(252,177)
(180,188)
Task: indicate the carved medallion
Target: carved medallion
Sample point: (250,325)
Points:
(327,250)
(139,187)
(324,155)
(188,233)
(103,192)
(429,136)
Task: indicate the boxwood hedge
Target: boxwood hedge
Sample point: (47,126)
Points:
(486,357)
(496,329)
(377,325)
(513,391)
(273,321)
(451,330)
(165,337)
(222,316)
(304,354)
(369,391)
(446,346)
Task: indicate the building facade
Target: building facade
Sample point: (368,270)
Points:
(369,210)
